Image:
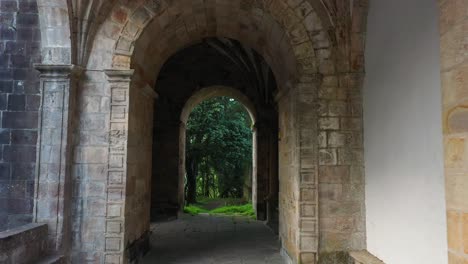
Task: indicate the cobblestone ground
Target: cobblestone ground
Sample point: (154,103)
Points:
(207,239)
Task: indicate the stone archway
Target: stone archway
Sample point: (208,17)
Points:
(296,70)
(318,115)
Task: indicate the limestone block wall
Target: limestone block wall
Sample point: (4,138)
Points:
(20,43)
(454,66)
(341,174)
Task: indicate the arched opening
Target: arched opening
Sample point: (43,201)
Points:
(249,115)
(210,69)
(218,158)
(219,64)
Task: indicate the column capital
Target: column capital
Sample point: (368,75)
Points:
(116,75)
(58,70)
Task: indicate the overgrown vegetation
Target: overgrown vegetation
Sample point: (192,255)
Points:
(218,150)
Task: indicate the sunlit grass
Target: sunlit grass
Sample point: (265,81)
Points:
(194,210)
(229,210)
(240,210)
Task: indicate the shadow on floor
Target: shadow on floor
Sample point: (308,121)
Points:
(206,239)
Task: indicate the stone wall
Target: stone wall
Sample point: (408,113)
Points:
(341,174)
(454,64)
(19,104)
(139,165)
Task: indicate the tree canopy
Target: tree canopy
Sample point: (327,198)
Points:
(218,149)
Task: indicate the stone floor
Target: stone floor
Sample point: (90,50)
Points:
(207,239)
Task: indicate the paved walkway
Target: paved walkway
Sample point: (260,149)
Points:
(207,239)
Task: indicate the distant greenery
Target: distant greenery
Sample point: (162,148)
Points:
(218,150)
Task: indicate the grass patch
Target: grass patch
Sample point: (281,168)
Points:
(194,210)
(226,206)
(232,210)
(240,210)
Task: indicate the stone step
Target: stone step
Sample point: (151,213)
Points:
(54,259)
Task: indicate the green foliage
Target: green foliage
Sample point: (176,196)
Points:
(218,149)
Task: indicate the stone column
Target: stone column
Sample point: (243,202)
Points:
(114,237)
(266,169)
(53,180)
(298,171)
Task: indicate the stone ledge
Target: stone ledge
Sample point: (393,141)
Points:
(22,231)
(364,257)
(24,244)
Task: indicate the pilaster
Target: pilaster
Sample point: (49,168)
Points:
(53,179)
(306,116)
(114,238)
